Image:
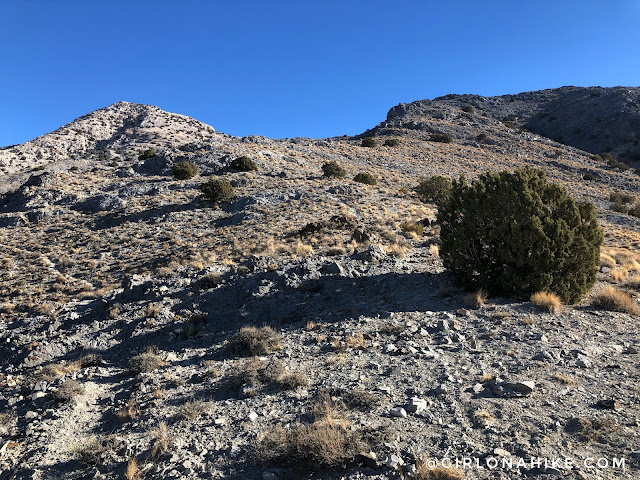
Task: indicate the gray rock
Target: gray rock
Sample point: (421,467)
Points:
(398,412)
(393,461)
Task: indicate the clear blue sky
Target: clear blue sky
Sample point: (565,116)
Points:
(297,68)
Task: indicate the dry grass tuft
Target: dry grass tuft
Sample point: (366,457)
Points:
(615,300)
(329,442)
(425,472)
(566,379)
(548,301)
(251,341)
(434,250)
(633,282)
(132,472)
(619,274)
(151,311)
(160,440)
(476,300)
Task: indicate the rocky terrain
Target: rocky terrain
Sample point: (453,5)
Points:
(125,299)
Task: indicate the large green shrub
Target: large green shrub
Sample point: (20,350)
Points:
(333,169)
(368,142)
(217,190)
(434,189)
(244,164)
(515,233)
(184,170)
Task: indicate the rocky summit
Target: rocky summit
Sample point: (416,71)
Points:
(303,325)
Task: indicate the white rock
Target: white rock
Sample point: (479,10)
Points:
(398,412)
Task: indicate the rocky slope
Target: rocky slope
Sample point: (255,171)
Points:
(593,119)
(117,131)
(123,293)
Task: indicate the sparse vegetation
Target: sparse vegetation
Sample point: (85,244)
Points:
(192,409)
(243,164)
(333,169)
(256,341)
(591,429)
(93,450)
(366,178)
(325,444)
(554,246)
(146,362)
(217,191)
(412,227)
(160,440)
(68,391)
(615,300)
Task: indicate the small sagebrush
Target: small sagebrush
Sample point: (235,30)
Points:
(184,170)
(145,362)
(217,191)
(333,169)
(548,301)
(68,391)
(243,164)
(366,178)
(251,341)
(615,300)
(320,445)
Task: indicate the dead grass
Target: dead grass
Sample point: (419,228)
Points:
(424,472)
(192,410)
(547,301)
(615,300)
(476,300)
(566,379)
(160,440)
(68,391)
(329,442)
(592,429)
(93,450)
(129,412)
(633,282)
(146,362)
(251,341)
(434,250)
(55,370)
(133,472)
(151,311)
(258,373)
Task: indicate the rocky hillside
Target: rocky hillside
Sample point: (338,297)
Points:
(593,119)
(306,329)
(109,134)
